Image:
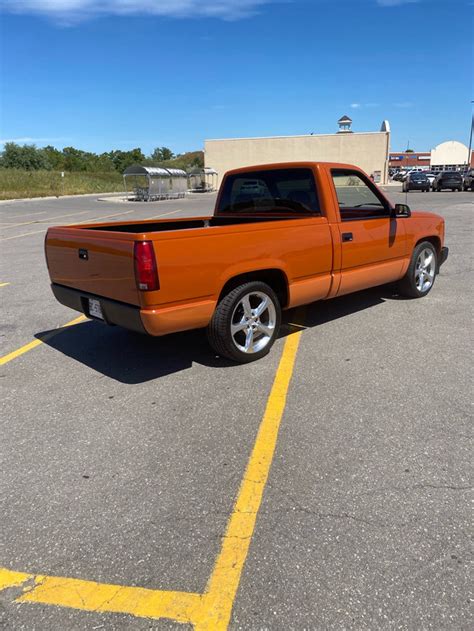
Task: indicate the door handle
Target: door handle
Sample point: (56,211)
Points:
(347,236)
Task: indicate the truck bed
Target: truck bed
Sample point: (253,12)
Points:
(99,258)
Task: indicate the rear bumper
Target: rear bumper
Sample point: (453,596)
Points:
(114,312)
(154,322)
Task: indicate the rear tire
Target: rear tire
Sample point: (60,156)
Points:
(245,323)
(421,273)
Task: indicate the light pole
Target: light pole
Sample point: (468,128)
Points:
(470,141)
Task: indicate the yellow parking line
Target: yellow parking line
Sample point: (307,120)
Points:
(127,212)
(4,284)
(25,234)
(28,223)
(162,215)
(43,212)
(222,586)
(74,223)
(101,597)
(28,347)
(11,579)
(210,611)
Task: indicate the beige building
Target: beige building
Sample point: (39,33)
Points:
(450,156)
(367,150)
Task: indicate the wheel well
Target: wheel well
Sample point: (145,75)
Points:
(273,277)
(435,241)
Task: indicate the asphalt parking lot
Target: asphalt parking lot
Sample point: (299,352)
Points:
(123,456)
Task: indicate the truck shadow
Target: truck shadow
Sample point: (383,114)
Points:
(132,358)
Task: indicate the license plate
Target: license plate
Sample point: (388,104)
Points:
(95,310)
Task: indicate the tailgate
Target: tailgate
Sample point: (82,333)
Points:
(92,262)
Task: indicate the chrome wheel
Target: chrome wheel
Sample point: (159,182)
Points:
(425,270)
(253,322)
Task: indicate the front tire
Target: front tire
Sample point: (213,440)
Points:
(421,273)
(245,323)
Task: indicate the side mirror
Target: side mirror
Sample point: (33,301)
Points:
(401,210)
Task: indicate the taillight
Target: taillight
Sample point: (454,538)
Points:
(146,273)
(46,250)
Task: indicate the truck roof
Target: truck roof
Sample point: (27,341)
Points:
(292,165)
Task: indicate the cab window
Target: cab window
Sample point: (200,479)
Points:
(272,191)
(357,198)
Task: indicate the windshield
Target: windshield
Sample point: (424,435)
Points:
(270,191)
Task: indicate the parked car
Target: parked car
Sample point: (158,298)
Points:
(252,187)
(448,179)
(399,176)
(468,181)
(320,232)
(430,176)
(416,181)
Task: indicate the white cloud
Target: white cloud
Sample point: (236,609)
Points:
(70,11)
(74,11)
(357,106)
(28,140)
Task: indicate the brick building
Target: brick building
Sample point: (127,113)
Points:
(448,156)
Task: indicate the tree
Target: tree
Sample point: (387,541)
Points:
(30,157)
(161,154)
(198,161)
(75,159)
(27,157)
(11,156)
(54,158)
(123,159)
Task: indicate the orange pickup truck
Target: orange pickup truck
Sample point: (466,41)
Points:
(282,235)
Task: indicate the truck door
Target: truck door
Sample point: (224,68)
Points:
(374,244)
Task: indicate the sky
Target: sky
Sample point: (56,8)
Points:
(118,74)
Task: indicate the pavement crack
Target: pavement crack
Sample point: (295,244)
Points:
(107,601)
(448,487)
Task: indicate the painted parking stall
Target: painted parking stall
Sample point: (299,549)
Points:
(150,482)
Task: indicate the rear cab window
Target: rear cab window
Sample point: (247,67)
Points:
(272,191)
(454,175)
(357,197)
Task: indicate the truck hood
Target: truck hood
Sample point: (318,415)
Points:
(423,214)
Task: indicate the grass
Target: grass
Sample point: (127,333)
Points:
(16,183)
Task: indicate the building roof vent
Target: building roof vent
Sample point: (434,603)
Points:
(345,125)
